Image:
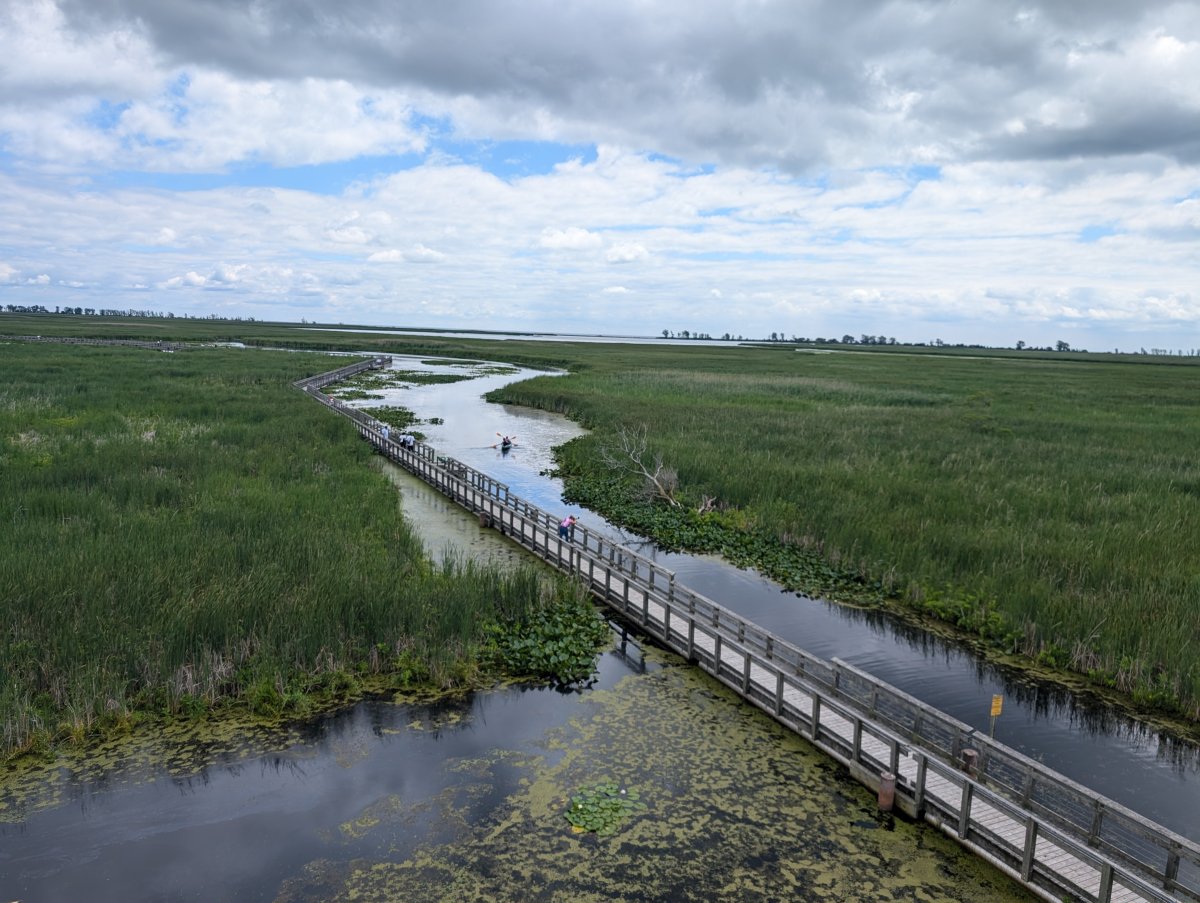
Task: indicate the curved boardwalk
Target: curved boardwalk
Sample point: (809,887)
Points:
(1060,839)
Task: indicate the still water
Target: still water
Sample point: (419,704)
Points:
(1075,733)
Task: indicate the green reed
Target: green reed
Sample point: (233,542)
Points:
(182,529)
(1044,501)
(1050,505)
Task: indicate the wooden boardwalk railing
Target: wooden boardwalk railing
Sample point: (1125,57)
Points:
(1057,837)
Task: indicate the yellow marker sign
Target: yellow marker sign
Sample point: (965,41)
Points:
(997,705)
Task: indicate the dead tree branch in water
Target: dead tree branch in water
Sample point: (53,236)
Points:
(630,455)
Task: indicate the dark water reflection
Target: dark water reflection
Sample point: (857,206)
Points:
(396,801)
(1076,733)
(239,826)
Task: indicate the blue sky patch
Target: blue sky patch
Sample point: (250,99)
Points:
(515,159)
(722,256)
(924,173)
(105,116)
(321,178)
(1089,234)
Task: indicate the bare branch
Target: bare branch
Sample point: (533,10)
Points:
(629,455)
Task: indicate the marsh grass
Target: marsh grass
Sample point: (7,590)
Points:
(186,529)
(1043,501)
(1050,506)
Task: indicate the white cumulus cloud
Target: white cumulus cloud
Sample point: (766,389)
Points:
(572,238)
(626,253)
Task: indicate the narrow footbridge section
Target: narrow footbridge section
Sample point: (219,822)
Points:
(1062,840)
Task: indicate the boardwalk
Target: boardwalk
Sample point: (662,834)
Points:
(1060,839)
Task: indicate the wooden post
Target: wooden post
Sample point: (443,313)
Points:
(1097,818)
(1106,883)
(922,770)
(1171,876)
(970,758)
(1030,848)
(887,791)
(964,814)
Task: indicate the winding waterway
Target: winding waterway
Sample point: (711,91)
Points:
(1075,733)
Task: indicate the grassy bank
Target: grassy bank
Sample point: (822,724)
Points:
(1050,506)
(186,529)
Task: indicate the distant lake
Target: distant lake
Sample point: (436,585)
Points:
(537,336)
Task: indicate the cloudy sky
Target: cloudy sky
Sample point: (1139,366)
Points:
(971,170)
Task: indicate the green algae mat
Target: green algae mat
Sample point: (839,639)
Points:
(714,802)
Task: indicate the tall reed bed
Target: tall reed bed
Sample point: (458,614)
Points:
(1051,505)
(181,529)
(1045,500)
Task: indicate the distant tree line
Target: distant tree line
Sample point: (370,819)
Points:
(113,312)
(865,339)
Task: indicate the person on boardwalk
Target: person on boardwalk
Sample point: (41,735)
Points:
(566,528)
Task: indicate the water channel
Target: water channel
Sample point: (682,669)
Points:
(1075,733)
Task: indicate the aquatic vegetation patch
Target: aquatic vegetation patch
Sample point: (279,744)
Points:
(395,416)
(371,818)
(741,809)
(370,383)
(602,808)
(477,368)
(496,370)
(149,748)
(556,642)
(424,378)
(728,533)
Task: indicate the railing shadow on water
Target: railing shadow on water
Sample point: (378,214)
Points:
(1056,836)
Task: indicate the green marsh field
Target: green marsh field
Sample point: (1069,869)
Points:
(1049,506)
(1046,504)
(187,530)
